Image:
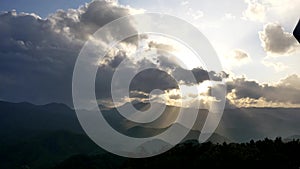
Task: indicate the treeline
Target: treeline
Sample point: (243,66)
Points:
(265,154)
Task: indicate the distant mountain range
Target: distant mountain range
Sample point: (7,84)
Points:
(38,135)
(237,124)
(19,121)
(244,124)
(45,149)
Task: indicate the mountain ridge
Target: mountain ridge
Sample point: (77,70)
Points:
(238,125)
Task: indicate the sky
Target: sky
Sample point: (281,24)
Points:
(41,8)
(252,39)
(231,25)
(218,20)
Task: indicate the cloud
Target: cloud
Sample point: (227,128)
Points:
(175,97)
(283,11)
(162,78)
(228,16)
(236,57)
(285,92)
(255,11)
(278,66)
(84,21)
(151,79)
(184,3)
(292,81)
(239,55)
(37,55)
(250,102)
(168,62)
(146,81)
(160,46)
(37,61)
(199,74)
(276,41)
(195,14)
(142,83)
(114,59)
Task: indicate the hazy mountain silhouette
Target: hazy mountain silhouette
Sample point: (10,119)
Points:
(45,149)
(237,124)
(37,135)
(244,124)
(24,120)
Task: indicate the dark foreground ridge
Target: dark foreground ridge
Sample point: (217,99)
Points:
(266,154)
(64,150)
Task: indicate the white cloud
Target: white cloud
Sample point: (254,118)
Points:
(184,3)
(195,14)
(284,11)
(278,66)
(236,57)
(275,40)
(245,92)
(255,11)
(292,81)
(260,102)
(229,16)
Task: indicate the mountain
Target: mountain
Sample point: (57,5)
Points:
(217,138)
(24,120)
(123,125)
(159,125)
(102,161)
(263,154)
(237,124)
(40,135)
(37,135)
(291,138)
(245,124)
(46,149)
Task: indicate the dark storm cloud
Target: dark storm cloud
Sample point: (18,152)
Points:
(37,55)
(37,61)
(287,90)
(113,60)
(143,82)
(151,79)
(199,74)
